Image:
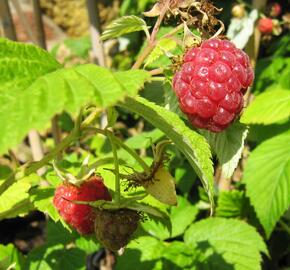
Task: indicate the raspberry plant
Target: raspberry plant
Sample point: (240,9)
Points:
(138,196)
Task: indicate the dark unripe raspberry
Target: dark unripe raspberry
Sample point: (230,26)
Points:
(80,216)
(265,25)
(211,83)
(114,228)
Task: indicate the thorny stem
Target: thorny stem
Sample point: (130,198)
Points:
(151,42)
(117,173)
(148,49)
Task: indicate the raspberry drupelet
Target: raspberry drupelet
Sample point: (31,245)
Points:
(80,216)
(211,83)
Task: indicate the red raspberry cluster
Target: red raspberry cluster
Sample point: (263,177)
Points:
(80,216)
(211,84)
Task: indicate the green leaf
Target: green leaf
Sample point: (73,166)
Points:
(21,64)
(178,256)
(189,142)
(57,234)
(226,244)
(79,46)
(55,257)
(260,133)
(5,171)
(170,100)
(268,108)
(228,146)
(144,139)
(66,89)
(185,176)
(267,178)
(181,217)
(280,46)
(146,208)
(42,200)
(88,245)
(266,73)
(123,25)
(15,200)
(10,257)
(144,253)
(162,47)
(230,204)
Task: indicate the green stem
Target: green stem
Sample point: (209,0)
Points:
(125,147)
(51,155)
(133,154)
(33,167)
(173,31)
(117,173)
(100,162)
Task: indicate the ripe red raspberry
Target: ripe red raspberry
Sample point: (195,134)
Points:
(80,216)
(265,25)
(275,10)
(211,84)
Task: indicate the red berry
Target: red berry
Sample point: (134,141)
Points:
(275,10)
(265,25)
(80,216)
(211,84)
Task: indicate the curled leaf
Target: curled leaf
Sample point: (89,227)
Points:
(154,11)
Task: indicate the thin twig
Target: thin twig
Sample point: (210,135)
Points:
(152,41)
(6,20)
(117,196)
(40,34)
(253,45)
(41,41)
(125,147)
(156,71)
(95,30)
(99,56)
(24,21)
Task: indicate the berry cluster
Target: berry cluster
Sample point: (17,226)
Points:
(80,216)
(211,84)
